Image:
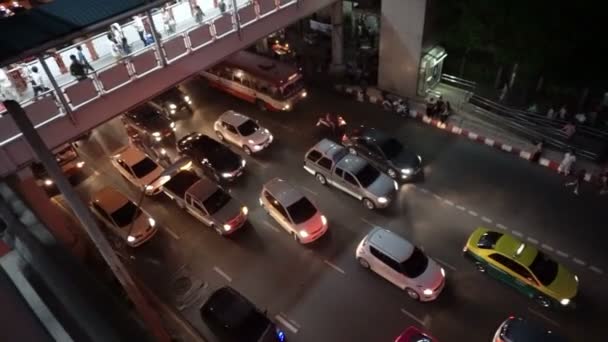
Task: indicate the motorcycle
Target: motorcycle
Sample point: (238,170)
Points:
(333,124)
(398,106)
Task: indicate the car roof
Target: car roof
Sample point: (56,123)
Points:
(329,148)
(352,163)
(188,140)
(233,118)
(283,191)
(130,155)
(521,329)
(202,189)
(109,199)
(508,246)
(390,243)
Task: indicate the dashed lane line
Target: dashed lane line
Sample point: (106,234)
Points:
(543,316)
(334,266)
(310,191)
(368,222)
(561,253)
(486,219)
(445,264)
(532,240)
(412,316)
(426,191)
(448,202)
(579,261)
(473,213)
(517,233)
(547,247)
(596,269)
(501,226)
(437,197)
(271,226)
(286,323)
(222,274)
(171,232)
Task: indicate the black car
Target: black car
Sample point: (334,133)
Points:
(233,318)
(517,329)
(213,158)
(384,151)
(149,124)
(173,102)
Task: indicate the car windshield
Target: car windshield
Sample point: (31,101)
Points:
(416,264)
(488,240)
(216,201)
(124,215)
(143,167)
(391,148)
(248,127)
(367,175)
(301,211)
(544,268)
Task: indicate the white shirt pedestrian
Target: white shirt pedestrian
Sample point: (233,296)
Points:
(562,113)
(565,166)
(551,113)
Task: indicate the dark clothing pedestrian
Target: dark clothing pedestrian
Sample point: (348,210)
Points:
(222,6)
(579,178)
(83,60)
(198,14)
(76,69)
(604,182)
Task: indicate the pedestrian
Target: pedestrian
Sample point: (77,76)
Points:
(37,81)
(126,48)
(440,106)
(115,49)
(82,59)
(569,129)
(579,178)
(563,112)
(551,113)
(533,108)
(138,24)
(198,14)
(168,21)
(604,182)
(222,6)
(77,69)
(537,151)
(117,32)
(566,165)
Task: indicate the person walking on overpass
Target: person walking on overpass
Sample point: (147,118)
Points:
(565,166)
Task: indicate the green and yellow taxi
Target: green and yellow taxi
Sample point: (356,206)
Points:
(522,266)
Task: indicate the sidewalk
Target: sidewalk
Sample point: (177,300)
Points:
(463,122)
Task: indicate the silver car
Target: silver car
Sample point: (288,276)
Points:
(242,131)
(293,211)
(331,164)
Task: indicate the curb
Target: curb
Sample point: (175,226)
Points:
(372,96)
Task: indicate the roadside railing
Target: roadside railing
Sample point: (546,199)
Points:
(458,82)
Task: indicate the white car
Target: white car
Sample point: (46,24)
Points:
(293,211)
(242,131)
(403,264)
(136,167)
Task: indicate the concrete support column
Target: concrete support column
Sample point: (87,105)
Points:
(401,30)
(337,38)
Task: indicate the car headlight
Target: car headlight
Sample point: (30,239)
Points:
(172,125)
(382,200)
(245,210)
(407,171)
(443,272)
(303,233)
(304,94)
(427,292)
(396,185)
(250,141)
(226,174)
(261,202)
(80,164)
(564,301)
(172,106)
(187,98)
(156,134)
(227,227)
(172,111)
(243,162)
(149,188)
(286,107)
(131,238)
(324,219)
(420,159)
(152,222)
(576,278)
(48,182)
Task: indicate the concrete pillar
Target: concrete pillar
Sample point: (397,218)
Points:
(401,30)
(337,38)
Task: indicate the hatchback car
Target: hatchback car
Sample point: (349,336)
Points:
(122,217)
(384,151)
(331,164)
(242,131)
(293,211)
(233,318)
(403,264)
(522,266)
(214,159)
(517,329)
(173,102)
(136,167)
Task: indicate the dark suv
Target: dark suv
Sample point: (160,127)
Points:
(215,159)
(173,102)
(149,123)
(384,151)
(233,318)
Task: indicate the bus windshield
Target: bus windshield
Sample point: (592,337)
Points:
(292,88)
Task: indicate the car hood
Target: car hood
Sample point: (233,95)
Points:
(157,124)
(382,186)
(259,136)
(564,285)
(227,213)
(225,161)
(431,278)
(406,159)
(311,225)
(140,226)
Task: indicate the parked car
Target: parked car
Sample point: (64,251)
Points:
(384,151)
(122,217)
(149,123)
(232,317)
(403,264)
(518,329)
(214,159)
(69,161)
(331,164)
(173,102)
(135,166)
(293,211)
(413,334)
(242,131)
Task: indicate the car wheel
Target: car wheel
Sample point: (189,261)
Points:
(392,173)
(219,135)
(352,151)
(481,267)
(261,105)
(363,263)
(247,150)
(412,294)
(321,178)
(543,301)
(369,204)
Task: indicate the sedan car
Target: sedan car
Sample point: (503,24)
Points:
(384,151)
(400,262)
(136,167)
(233,318)
(293,211)
(67,158)
(122,217)
(173,102)
(517,329)
(214,159)
(413,334)
(242,131)
(149,123)
(522,266)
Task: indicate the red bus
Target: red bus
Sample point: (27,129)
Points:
(266,82)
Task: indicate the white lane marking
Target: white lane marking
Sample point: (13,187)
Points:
(222,273)
(532,240)
(421,322)
(368,222)
(486,219)
(448,202)
(96,173)
(308,190)
(445,264)
(517,233)
(596,269)
(424,190)
(259,163)
(334,266)
(171,232)
(501,226)
(543,316)
(579,261)
(271,226)
(473,213)
(286,323)
(437,197)
(547,247)
(562,254)
(459,207)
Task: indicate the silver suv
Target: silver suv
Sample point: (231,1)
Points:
(331,164)
(242,131)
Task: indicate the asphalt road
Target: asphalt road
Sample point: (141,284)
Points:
(319,292)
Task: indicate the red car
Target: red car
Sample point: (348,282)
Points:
(413,334)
